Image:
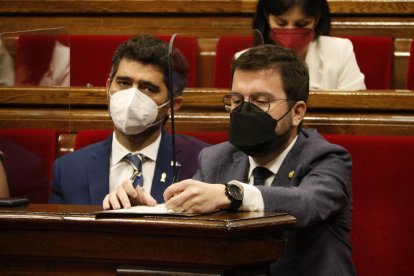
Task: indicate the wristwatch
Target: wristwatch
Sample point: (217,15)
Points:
(235,194)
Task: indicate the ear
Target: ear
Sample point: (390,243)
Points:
(299,111)
(178,102)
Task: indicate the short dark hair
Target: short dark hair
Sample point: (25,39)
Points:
(293,71)
(315,8)
(151,50)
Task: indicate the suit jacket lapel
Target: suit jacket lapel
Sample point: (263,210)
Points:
(287,169)
(234,170)
(97,170)
(163,174)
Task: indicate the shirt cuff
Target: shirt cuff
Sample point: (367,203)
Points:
(252,200)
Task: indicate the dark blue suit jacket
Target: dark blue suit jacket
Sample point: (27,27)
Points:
(82,177)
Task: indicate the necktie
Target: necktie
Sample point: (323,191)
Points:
(260,174)
(135,160)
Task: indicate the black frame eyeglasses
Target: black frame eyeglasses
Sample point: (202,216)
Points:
(261,100)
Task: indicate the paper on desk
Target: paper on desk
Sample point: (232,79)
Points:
(142,210)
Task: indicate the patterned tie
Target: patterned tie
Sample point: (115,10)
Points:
(260,174)
(136,163)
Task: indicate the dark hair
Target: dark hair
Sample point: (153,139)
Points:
(150,50)
(315,8)
(293,71)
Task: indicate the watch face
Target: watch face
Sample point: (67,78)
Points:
(235,192)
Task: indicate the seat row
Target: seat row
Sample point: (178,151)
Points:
(90,57)
(382,220)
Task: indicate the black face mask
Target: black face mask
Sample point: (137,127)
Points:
(253,131)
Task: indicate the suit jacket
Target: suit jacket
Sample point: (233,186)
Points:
(319,196)
(82,177)
(332,65)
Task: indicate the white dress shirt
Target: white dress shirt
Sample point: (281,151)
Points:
(253,200)
(332,65)
(121,170)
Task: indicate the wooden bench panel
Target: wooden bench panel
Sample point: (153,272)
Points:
(71,109)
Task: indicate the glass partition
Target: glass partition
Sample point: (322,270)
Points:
(33,61)
(35,58)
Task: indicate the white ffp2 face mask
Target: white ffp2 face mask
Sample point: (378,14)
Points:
(132,111)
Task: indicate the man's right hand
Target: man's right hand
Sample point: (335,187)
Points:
(125,196)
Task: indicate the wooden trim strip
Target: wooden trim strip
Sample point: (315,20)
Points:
(191,6)
(203,99)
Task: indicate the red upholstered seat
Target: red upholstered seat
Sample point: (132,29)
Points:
(86,137)
(29,157)
(211,137)
(374,55)
(410,68)
(227,47)
(383,189)
(34,53)
(91,57)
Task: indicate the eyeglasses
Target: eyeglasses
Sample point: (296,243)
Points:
(261,100)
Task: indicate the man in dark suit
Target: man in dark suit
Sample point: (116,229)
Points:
(137,91)
(272,164)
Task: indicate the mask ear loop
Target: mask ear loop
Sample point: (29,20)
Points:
(108,99)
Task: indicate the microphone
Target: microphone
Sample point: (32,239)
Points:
(171,96)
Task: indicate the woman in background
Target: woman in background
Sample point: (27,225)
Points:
(4,188)
(304,27)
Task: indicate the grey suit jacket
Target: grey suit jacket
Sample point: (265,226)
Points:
(319,195)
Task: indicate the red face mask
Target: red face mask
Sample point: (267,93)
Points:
(296,39)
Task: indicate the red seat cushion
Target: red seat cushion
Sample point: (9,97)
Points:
(33,56)
(374,55)
(91,57)
(86,137)
(211,137)
(383,219)
(227,47)
(29,158)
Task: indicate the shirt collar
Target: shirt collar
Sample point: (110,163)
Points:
(275,164)
(119,151)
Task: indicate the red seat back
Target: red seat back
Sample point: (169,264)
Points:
(374,55)
(86,137)
(383,219)
(410,68)
(227,47)
(33,56)
(29,158)
(91,57)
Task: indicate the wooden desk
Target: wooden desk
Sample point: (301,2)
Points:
(43,239)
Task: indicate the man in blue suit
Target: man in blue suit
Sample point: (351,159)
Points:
(273,164)
(137,91)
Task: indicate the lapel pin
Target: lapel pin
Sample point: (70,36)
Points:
(291,174)
(176,164)
(163,177)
